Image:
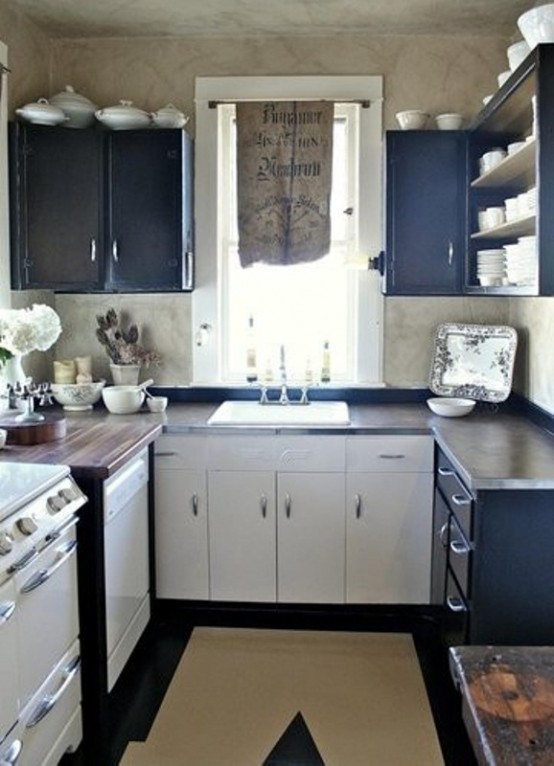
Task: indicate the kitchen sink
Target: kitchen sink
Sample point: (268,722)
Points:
(239,413)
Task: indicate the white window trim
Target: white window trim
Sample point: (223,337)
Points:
(5,296)
(206,311)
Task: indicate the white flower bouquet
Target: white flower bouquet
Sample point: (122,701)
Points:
(26,330)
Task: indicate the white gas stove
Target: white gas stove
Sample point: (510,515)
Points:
(35,501)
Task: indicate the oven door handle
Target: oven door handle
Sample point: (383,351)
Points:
(6,613)
(50,700)
(11,756)
(43,575)
(23,561)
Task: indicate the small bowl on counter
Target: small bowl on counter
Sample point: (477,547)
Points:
(77,397)
(156,403)
(450,407)
(123,400)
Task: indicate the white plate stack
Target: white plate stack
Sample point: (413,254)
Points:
(491,267)
(521,261)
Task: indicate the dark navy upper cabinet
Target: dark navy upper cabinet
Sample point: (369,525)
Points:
(425,212)
(94,210)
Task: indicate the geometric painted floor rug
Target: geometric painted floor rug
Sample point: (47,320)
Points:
(254,697)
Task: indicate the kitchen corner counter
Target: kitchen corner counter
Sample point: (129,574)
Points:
(96,444)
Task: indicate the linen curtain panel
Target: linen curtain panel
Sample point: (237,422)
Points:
(284,174)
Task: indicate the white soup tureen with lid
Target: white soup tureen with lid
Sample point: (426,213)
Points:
(169,117)
(78,108)
(123,116)
(41,112)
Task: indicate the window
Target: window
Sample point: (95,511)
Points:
(301,306)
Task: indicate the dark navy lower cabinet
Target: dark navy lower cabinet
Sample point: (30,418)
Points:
(425,212)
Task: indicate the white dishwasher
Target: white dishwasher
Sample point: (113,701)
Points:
(126,561)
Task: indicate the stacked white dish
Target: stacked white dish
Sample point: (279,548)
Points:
(491,267)
(521,261)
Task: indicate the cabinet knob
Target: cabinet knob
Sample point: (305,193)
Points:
(358,505)
(443,534)
(455,604)
(461,500)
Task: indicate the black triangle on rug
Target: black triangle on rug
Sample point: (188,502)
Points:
(295,747)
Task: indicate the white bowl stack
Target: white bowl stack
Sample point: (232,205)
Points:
(521,261)
(491,267)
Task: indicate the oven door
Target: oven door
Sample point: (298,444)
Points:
(8,658)
(48,621)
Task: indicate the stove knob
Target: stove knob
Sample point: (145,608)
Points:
(68,494)
(26,525)
(6,543)
(55,503)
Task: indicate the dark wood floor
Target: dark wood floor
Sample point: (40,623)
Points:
(142,685)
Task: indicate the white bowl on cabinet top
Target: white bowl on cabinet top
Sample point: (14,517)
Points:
(78,109)
(537,25)
(42,112)
(169,117)
(412,119)
(123,116)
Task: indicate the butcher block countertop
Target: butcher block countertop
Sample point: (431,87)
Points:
(507,702)
(96,443)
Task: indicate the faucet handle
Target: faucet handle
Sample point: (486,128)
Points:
(263,395)
(304,394)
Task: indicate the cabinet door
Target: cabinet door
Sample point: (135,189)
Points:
(388,537)
(145,213)
(425,209)
(181,534)
(310,538)
(55,196)
(242,535)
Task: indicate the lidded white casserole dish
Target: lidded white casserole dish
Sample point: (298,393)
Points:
(169,117)
(123,116)
(41,112)
(78,108)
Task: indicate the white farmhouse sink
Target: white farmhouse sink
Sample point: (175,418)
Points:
(233,413)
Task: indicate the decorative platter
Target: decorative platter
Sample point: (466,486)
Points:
(473,361)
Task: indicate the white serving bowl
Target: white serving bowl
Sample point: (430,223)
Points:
(537,25)
(412,119)
(450,121)
(78,109)
(517,53)
(156,403)
(449,407)
(123,400)
(76,397)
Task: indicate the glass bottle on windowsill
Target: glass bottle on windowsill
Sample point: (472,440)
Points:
(251,363)
(326,363)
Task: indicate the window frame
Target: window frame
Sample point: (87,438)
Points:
(206,300)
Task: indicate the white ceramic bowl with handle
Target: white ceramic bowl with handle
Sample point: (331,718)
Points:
(123,400)
(450,407)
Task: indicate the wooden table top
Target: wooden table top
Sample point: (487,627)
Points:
(96,443)
(508,702)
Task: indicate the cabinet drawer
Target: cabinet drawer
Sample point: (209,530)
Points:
(395,454)
(459,555)
(459,499)
(242,453)
(176,452)
(310,453)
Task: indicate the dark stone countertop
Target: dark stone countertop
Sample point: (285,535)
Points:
(491,449)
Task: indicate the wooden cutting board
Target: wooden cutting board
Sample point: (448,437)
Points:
(26,434)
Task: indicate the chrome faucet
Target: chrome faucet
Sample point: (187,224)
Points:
(284,398)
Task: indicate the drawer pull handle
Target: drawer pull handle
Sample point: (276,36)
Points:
(115,251)
(455,604)
(443,533)
(461,500)
(459,548)
(194,503)
(385,456)
(358,505)
(444,471)
(450,253)
(6,612)
(288,505)
(93,250)
(50,700)
(11,756)
(166,454)
(263,504)
(43,575)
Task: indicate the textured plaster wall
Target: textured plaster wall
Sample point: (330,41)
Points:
(534,320)
(435,73)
